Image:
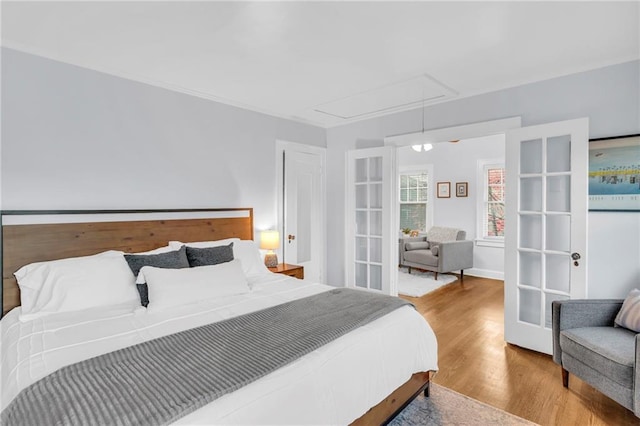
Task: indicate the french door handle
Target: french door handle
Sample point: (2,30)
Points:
(291,238)
(575,257)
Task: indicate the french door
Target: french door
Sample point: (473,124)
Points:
(371,220)
(546,227)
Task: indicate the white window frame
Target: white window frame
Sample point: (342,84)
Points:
(482,239)
(428,169)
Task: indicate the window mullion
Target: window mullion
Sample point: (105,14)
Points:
(413,209)
(493,203)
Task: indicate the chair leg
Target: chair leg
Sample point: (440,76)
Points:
(565,378)
(436,278)
(427,389)
(461,275)
(409,269)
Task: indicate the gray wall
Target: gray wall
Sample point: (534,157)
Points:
(73,138)
(608,96)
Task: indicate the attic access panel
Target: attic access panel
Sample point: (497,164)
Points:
(398,96)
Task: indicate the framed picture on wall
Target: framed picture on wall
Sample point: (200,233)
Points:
(444,189)
(614,174)
(462,189)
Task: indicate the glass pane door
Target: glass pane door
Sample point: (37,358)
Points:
(546,226)
(369,253)
(368,188)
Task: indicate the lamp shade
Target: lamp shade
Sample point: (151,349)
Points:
(269,240)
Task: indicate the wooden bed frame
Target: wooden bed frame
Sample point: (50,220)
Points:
(36,242)
(39,240)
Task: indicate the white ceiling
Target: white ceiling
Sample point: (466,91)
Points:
(349,60)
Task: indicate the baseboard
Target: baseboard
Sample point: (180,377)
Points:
(485,273)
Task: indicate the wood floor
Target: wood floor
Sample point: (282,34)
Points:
(475,361)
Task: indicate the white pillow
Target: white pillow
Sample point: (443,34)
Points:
(30,287)
(75,284)
(203,244)
(174,287)
(249,254)
(629,315)
(244,250)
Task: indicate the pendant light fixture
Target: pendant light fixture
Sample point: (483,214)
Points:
(419,148)
(427,146)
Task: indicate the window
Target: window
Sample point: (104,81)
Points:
(414,189)
(493,202)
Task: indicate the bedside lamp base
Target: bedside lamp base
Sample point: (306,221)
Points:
(271,260)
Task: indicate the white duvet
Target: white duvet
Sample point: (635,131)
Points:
(335,384)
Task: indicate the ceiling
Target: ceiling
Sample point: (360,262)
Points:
(328,63)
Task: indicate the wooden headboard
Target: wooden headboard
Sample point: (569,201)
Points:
(34,235)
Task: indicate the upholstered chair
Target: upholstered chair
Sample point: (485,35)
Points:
(441,250)
(587,345)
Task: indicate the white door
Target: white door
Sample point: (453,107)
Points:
(371,254)
(546,227)
(303,212)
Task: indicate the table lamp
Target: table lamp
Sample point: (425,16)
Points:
(270,240)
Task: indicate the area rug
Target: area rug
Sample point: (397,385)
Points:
(447,407)
(418,283)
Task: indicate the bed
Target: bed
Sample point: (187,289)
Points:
(362,377)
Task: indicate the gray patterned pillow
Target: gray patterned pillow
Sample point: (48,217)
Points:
(209,255)
(171,260)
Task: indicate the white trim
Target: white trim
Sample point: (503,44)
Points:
(281,147)
(485,273)
(467,131)
(484,242)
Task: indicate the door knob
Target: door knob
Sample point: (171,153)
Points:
(575,257)
(291,237)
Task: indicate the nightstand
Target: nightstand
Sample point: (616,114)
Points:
(294,271)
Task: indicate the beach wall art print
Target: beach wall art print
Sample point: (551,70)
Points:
(614,174)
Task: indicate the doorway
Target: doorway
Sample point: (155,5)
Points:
(545,239)
(485,142)
(301,206)
(478,210)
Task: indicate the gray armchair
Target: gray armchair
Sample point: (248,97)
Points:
(441,250)
(586,344)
